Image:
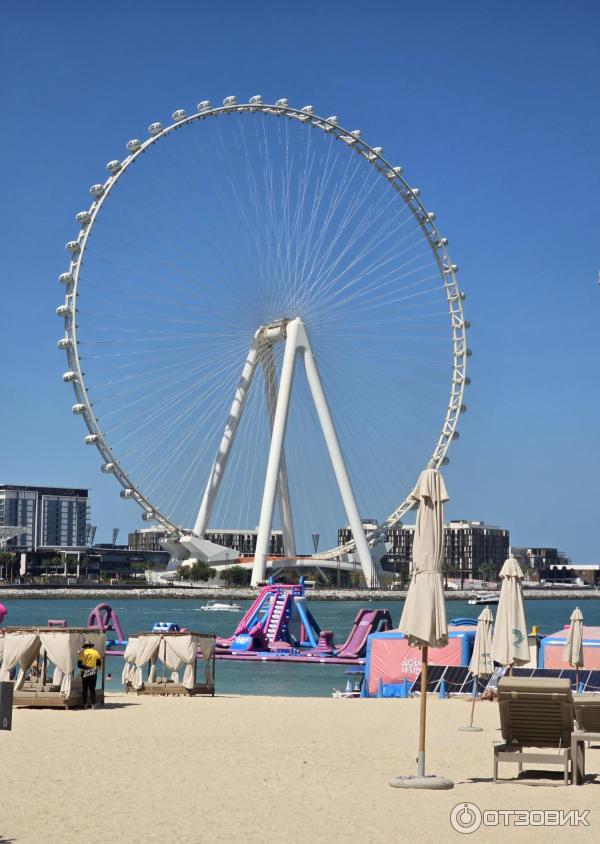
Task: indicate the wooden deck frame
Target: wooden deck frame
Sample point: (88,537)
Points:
(175,689)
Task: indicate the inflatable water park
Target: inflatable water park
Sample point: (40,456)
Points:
(279,626)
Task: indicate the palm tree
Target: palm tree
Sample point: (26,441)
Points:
(488,569)
(451,568)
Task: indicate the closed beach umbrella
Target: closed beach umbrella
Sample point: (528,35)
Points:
(573,649)
(510,645)
(482,664)
(423,619)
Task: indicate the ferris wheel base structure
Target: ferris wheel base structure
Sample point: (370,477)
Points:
(297,346)
(189,549)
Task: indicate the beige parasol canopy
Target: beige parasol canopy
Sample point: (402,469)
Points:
(510,645)
(482,664)
(423,619)
(573,649)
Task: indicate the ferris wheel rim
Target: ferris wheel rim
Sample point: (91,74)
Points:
(394,176)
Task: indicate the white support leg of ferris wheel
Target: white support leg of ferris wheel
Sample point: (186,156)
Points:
(218,469)
(275,452)
(337,462)
(285,507)
(297,341)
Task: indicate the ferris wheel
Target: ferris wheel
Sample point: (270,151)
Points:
(260,309)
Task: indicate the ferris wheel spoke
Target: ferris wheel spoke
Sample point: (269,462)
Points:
(327,281)
(167,393)
(355,223)
(392,254)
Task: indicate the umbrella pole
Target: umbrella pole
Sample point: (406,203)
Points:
(473,703)
(422,712)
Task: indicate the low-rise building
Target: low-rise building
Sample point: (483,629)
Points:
(540,558)
(118,560)
(238,539)
(587,574)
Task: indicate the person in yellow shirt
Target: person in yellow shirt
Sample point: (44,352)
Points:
(88,662)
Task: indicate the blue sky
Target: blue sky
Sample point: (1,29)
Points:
(491,109)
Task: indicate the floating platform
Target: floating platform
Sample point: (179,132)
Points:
(306,659)
(273,656)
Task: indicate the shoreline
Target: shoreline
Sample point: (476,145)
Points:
(211,594)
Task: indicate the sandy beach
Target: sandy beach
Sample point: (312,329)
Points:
(256,769)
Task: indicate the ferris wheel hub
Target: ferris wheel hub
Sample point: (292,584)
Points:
(274,331)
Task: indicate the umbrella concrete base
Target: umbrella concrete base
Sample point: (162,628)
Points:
(431,781)
(471,729)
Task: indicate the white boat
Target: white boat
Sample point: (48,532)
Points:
(214,606)
(484,598)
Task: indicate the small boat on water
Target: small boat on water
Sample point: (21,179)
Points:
(215,606)
(166,627)
(484,598)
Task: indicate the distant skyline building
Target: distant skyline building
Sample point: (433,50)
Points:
(541,558)
(470,547)
(51,517)
(241,540)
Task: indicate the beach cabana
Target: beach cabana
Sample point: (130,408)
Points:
(552,649)
(167,664)
(391,659)
(43,663)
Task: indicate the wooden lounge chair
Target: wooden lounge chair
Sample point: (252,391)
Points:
(537,713)
(587,713)
(587,716)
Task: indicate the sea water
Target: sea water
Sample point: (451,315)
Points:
(261,678)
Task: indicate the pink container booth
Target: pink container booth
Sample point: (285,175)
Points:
(391,659)
(551,649)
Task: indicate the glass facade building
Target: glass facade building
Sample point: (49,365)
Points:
(51,517)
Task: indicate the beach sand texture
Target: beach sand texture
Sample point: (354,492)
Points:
(258,769)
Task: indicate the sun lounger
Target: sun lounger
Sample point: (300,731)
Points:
(537,713)
(587,712)
(587,717)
